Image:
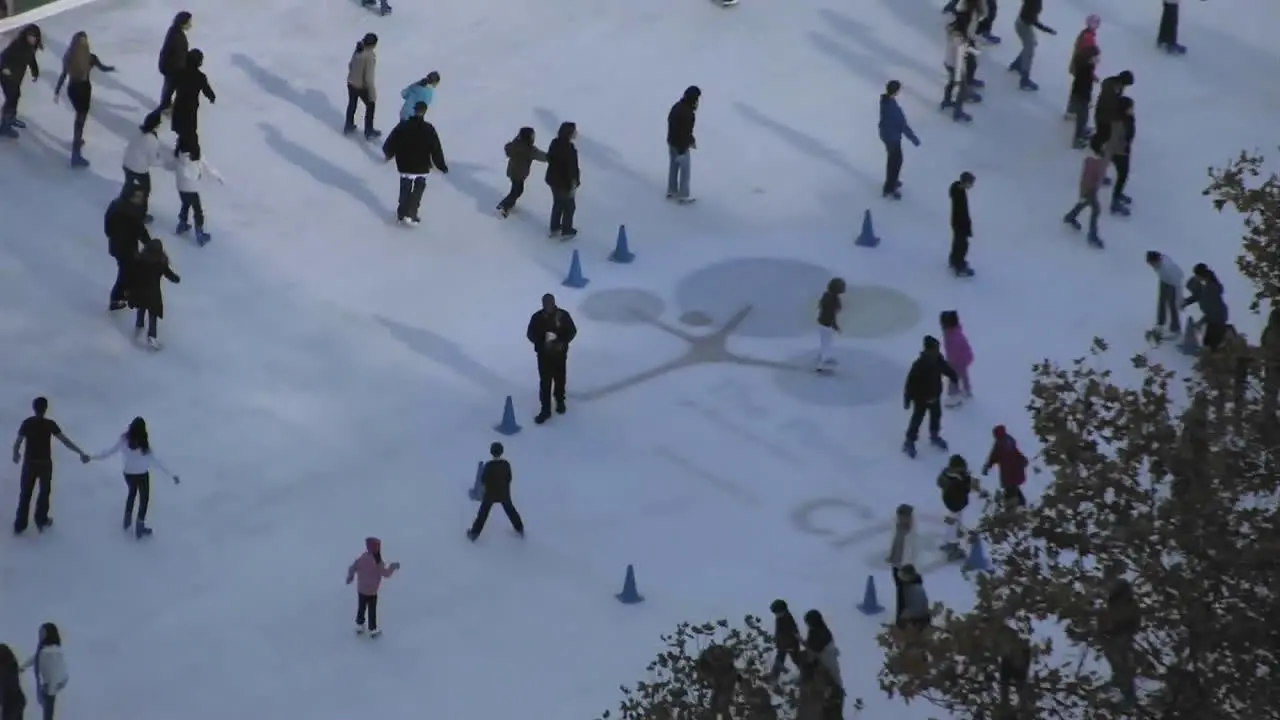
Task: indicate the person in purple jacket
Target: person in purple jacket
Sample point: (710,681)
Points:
(893,127)
(367,573)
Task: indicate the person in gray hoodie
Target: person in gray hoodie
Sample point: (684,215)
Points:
(823,657)
(1170,276)
(361,86)
(1205,291)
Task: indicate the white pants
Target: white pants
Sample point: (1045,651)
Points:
(826,336)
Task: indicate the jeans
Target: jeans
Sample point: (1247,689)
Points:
(356,96)
(120,288)
(36,478)
(1167,307)
(517,189)
(919,409)
(191,205)
(1121,161)
(552,369)
(136,181)
(563,206)
(678,167)
(367,606)
(149,319)
(409,203)
(47,703)
(1095,209)
(482,516)
(139,491)
(1027,55)
(12,88)
(1168,32)
(892,165)
(1079,107)
(958,259)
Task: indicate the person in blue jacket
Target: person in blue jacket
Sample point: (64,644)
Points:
(420,92)
(893,127)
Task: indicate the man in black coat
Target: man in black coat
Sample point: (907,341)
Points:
(680,143)
(495,482)
(415,146)
(125,224)
(173,56)
(564,177)
(189,85)
(551,329)
(922,394)
(961,225)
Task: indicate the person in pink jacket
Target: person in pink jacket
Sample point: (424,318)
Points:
(367,573)
(955,347)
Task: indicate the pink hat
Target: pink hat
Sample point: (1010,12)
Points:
(1092,22)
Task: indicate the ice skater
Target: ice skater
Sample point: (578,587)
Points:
(1205,291)
(922,395)
(367,572)
(78,64)
(960,63)
(13,702)
(893,127)
(191,84)
(1012,465)
(829,307)
(564,177)
(423,91)
(144,152)
(190,169)
(173,57)
(1025,26)
(1084,75)
(16,59)
(37,433)
(50,668)
(145,292)
(125,225)
(362,86)
(551,330)
(134,446)
(959,355)
(1167,33)
(1119,147)
(1092,171)
(495,482)
(786,637)
(522,153)
(961,225)
(681,144)
(1167,305)
(414,145)
(956,485)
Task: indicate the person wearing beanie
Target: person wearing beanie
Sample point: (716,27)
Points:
(893,127)
(1012,464)
(1171,278)
(786,636)
(362,87)
(922,394)
(173,57)
(1025,26)
(961,225)
(367,572)
(680,144)
(495,484)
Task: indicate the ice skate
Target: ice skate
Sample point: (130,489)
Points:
(1119,208)
(1095,242)
(202,237)
(1074,223)
(153,344)
(1028,85)
(183,228)
(909,448)
(141,530)
(938,442)
(359,629)
(375,633)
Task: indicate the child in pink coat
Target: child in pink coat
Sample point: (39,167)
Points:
(367,572)
(955,347)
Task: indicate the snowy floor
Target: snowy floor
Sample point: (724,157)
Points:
(328,376)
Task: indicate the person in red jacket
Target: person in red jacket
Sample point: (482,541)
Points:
(1006,456)
(1087,40)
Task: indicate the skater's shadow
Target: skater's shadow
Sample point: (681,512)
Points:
(108,115)
(322,170)
(925,18)
(312,102)
(465,178)
(597,153)
(443,351)
(863,52)
(801,142)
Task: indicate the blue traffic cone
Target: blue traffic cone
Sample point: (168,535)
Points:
(575,278)
(630,595)
(508,426)
(870,604)
(477,488)
(867,238)
(977,559)
(621,252)
(1190,344)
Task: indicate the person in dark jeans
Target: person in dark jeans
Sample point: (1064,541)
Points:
(38,432)
(563,177)
(786,637)
(1205,291)
(551,329)
(495,479)
(362,86)
(922,394)
(893,127)
(173,57)
(1167,33)
(961,225)
(126,229)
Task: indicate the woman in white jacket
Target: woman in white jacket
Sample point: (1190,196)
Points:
(141,154)
(50,668)
(190,169)
(135,446)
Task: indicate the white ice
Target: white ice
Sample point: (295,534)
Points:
(329,376)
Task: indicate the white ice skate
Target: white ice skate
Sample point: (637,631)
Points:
(359,629)
(375,633)
(153,344)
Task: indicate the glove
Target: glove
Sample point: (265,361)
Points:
(916,142)
(177,480)
(906,404)
(394,566)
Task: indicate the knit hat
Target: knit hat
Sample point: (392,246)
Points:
(373,544)
(1093,22)
(693,92)
(778,606)
(931,342)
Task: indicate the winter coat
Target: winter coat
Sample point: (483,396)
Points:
(1207,295)
(562,165)
(1092,171)
(495,479)
(145,291)
(190,173)
(125,226)
(961,223)
(414,94)
(560,324)
(1006,456)
(144,152)
(786,633)
(680,122)
(51,669)
(19,57)
(520,159)
(368,570)
(893,122)
(190,84)
(915,601)
(924,380)
(12,700)
(362,70)
(956,486)
(415,146)
(1169,272)
(955,347)
(827,654)
(1088,38)
(829,307)
(173,53)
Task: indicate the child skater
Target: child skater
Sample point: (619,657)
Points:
(829,307)
(367,573)
(423,91)
(190,169)
(1006,456)
(50,668)
(1093,172)
(956,485)
(135,447)
(521,154)
(955,347)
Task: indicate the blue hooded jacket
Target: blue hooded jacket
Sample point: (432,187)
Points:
(413,95)
(893,122)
